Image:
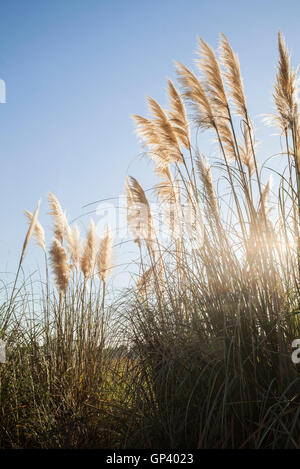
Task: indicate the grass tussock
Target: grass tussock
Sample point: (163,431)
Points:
(198,353)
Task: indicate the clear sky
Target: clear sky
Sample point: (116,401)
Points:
(76,69)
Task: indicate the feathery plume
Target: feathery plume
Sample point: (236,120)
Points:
(209,66)
(60,265)
(178,116)
(139,216)
(104,258)
(38,231)
(160,151)
(194,93)
(233,76)
(285,89)
(74,246)
(165,189)
(165,129)
(89,252)
(60,221)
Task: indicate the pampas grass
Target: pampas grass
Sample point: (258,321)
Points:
(88,258)
(59,217)
(197,353)
(60,265)
(104,260)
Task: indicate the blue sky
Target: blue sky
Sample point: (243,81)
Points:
(75,70)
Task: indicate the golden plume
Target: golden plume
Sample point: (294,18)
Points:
(193,92)
(139,216)
(285,89)
(60,221)
(178,116)
(160,152)
(104,258)
(233,76)
(60,265)
(209,66)
(166,132)
(89,252)
(74,246)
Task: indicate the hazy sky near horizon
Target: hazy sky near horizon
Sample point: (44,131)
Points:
(75,70)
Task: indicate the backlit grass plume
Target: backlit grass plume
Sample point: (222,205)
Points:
(139,216)
(233,77)
(178,117)
(104,259)
(285,89)
(60,265)
(210,67)
(74,246)
(59,217)
(88,258)
(195,94)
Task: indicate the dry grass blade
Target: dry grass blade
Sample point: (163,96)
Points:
(28,236)
(167,193)
(38,231)
(226,137)
(263,205)
(143,282)
(30,230)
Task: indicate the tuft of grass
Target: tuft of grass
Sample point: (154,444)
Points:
(198,353)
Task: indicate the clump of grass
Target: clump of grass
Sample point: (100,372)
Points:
(56,386)
(214,344)
(200,356)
